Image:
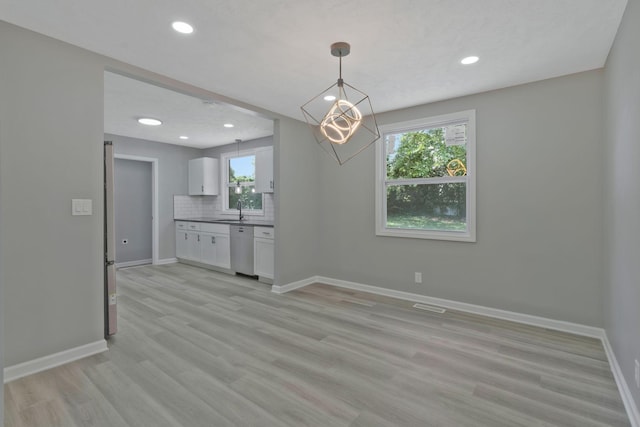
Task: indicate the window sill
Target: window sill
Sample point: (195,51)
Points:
(454,236)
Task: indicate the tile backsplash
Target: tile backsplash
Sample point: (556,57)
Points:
(211,207)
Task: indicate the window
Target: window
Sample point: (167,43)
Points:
(425,178)
(240,168)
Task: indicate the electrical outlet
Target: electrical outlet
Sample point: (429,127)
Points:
(418,277)
(637,374)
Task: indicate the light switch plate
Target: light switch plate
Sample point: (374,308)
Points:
(81,207)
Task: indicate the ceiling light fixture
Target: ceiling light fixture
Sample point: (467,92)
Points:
(184,137)
(228,125)
(182,27)
(349,126)
(469,60)
(149,121)
(238,186)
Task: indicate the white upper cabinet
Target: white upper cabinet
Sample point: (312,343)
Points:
(264,170)
(203,177)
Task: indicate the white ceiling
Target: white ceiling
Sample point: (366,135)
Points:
(274,54)
(126,100)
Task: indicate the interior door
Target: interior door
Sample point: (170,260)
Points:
(110,299)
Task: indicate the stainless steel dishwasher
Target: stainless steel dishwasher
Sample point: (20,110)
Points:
(242,249)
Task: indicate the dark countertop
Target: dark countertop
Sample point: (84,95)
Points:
(247,222)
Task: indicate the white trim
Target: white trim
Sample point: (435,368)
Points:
(51,361)
(166,261)
(623,387)
(295,285)
(155,227)
(527,319)
(133,263)
(468,235)
(225,184)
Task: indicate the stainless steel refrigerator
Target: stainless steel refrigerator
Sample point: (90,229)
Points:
(110,298)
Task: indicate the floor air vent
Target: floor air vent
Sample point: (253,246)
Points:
(433,308)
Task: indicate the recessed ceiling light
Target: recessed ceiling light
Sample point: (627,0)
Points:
(182,27)
(149,122)
(184,137)
(330,98)
(469,60)
(228,125)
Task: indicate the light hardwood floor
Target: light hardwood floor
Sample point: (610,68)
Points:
(199,348)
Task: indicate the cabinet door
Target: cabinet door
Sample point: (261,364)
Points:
(203,177)
(208,246)
(181,243)
(263,257)
(193,246)
(196,177)
(223,250)
(264,170)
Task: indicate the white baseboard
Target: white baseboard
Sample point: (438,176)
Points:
(558,325)
(133,263)
(295,285)
(527,319)
(51,361)
(167,261)
(623,387)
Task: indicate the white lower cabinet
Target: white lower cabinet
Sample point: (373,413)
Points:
(263,252)
(204,243)
(215,249)
(193,245)
(182,241)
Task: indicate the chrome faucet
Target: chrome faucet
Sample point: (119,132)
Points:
(239,207)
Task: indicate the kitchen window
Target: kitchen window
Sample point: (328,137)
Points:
(425,178)
(240,169)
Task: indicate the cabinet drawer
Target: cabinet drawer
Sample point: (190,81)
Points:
(193,226)
(263,232)
(182,225)
(214,228)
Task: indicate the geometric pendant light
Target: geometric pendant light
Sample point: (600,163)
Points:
(341,117)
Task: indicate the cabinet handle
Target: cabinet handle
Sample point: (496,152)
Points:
(185,236)
(266,233)
(202,188)
(213,240)
(271,184)
(198,237)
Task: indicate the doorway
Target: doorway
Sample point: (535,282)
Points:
(135,210)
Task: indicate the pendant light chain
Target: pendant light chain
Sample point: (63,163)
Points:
(238,186)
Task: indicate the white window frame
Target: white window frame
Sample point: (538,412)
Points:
(469,235)
(226,185)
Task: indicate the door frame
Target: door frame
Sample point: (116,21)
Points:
(155,228)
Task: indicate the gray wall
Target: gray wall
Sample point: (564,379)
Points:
(50,152)
(622,195)
(297,160)
(173,176)
(2,225)
(133,210)
(539,216)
